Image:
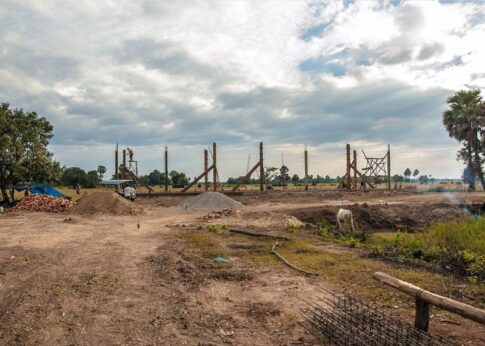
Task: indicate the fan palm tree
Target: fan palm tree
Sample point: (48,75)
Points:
(464,122)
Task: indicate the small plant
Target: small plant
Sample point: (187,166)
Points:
(324,229)
(292,227)
(350,241)
(216,228)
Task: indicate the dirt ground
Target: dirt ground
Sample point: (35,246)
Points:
(150,280)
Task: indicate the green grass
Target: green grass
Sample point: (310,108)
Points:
(341,267)
(457,246)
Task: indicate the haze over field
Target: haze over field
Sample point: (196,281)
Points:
(289,74)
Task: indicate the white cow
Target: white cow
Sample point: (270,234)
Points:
(345,220)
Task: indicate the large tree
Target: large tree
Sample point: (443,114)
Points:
(155,177)
(73,176)
(92,179)
(179,179)
(24,157)
(465,121)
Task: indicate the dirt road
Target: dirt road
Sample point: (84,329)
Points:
(101,280)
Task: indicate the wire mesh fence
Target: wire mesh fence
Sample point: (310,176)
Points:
(341,319)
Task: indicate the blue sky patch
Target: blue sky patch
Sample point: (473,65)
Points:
(325,64)
(314,31)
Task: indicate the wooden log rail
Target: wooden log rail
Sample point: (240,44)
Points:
(196,180)
(425,298)
(246,177)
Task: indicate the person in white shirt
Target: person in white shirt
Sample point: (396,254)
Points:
(129,193)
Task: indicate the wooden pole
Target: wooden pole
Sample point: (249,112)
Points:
(261,168)
(166,169)
(421,320)
(214,165)
(116,173)
(349,177)
(123,174)
(426,297)
(306,169)
(388,166)
(355,170)
(206,166)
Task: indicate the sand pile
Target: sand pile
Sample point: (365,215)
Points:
(209,201)
(105,203)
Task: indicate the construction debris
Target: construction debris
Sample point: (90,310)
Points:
(217,214)
(44,203)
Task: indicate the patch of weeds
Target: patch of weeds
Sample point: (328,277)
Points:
(325,229)
(203,244)
(261,311)
(349,241)
(94,281)
(292,228)
(216,228)
(231,275)
(454,246)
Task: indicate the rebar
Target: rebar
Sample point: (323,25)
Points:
(337,318)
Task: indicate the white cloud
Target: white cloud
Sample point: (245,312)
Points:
(189,73)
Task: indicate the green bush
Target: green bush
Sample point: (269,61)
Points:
(458,246)
(350,241)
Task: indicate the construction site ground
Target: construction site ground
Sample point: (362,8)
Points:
(150,279)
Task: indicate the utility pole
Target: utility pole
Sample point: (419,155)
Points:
(355,170)
(261,168)
(214,163)
(166,169)
(348,178)
(206,167)
(116,174)
(306,168)
(123,174)
(388,166)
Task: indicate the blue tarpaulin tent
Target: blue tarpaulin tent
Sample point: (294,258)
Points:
(39,189)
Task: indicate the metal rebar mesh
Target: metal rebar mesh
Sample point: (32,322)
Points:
(340,319)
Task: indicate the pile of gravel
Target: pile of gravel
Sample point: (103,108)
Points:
(209,201)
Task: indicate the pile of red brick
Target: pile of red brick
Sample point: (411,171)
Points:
(44,203)
(217,214)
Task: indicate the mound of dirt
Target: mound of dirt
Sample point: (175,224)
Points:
(209,201)
(105,203)
(384,217)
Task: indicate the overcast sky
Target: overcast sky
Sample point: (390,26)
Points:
(288,73)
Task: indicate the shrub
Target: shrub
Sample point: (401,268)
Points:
(350,241)
(458,246)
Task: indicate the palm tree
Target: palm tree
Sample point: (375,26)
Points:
(407,173)
(415,173)
(464,122)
